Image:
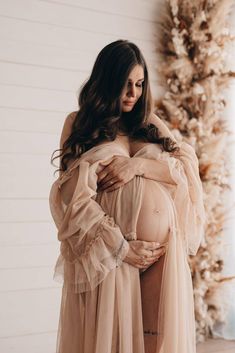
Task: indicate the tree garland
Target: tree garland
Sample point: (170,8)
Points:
(192,67)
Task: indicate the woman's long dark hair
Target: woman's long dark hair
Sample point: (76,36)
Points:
(100,116)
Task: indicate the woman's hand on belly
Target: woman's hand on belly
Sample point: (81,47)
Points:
(143,254)
(116,173)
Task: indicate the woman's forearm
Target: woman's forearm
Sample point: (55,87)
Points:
(152,169)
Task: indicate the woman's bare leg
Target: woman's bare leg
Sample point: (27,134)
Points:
(150,281)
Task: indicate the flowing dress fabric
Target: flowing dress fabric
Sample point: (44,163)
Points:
(101,299)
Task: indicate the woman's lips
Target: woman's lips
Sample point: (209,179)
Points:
(129,103)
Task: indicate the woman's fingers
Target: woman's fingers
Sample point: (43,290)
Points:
(140,245)
(153,257)
(159,252)
(142,257)
(153,245)
(148,245)
(110,185)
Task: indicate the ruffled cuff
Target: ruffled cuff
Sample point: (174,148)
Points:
(84,272)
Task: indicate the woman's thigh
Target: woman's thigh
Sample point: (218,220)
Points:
(150,282)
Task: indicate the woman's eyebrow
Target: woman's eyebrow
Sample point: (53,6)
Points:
(141,79)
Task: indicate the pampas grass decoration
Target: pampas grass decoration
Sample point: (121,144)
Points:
(192,67)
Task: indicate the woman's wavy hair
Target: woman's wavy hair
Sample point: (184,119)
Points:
(100,116)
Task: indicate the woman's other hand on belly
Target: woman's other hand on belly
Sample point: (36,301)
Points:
(143,254)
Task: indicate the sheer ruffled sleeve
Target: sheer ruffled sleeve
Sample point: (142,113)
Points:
(188,195)
(92,244)
(186,192)
(187,230)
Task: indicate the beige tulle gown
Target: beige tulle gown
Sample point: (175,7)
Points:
(107,305)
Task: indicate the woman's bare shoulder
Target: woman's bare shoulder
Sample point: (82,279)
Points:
(161,125)
(70,118)
(67,127)
(154,119)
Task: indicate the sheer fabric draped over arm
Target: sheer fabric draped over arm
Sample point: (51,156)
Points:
(92,244)
(188,194)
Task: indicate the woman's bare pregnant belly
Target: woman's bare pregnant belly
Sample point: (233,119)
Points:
(153,221)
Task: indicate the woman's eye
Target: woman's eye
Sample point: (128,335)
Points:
(137,85)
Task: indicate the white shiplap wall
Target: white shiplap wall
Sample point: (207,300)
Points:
(47,50)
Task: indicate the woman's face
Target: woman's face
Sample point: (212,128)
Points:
(133,88)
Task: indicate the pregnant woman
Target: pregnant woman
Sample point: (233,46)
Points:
(128,206)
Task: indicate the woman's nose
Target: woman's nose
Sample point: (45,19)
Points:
(131,91)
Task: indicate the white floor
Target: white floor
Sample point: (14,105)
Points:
(216,346)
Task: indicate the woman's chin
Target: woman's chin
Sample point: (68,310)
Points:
(126,108)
